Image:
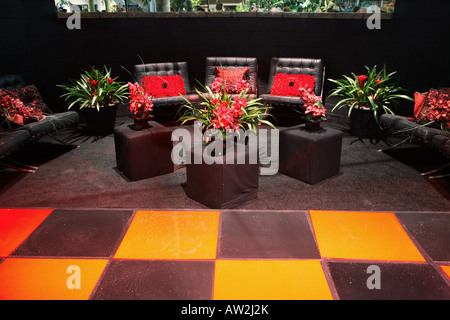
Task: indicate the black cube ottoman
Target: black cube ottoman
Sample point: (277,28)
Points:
(224,185)
(145,153)
(310,156)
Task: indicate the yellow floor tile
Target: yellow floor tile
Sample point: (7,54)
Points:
(49,279)
(362,235)
(171,235)
(270,280)
(16,225)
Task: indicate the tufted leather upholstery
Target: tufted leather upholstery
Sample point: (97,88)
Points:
(163,69)
(51,123)
(283,108)
(313,67)
(233,63)
(167,108)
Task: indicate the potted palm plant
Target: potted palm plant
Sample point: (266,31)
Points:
(97,95)
(367,96)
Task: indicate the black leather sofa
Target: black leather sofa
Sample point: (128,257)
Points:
(436,138)
(10,141)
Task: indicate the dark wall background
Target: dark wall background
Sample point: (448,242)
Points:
(35,43)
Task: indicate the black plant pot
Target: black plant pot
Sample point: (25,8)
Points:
(100,122)
(363,124)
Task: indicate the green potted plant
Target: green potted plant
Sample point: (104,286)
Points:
(96,94)
(221,111)
(224,113)
(367,96)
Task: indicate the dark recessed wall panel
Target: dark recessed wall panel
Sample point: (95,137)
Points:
(414,43)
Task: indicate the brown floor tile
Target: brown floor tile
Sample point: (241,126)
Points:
(397,281)
(431,230)
(266,235)
(157,279)
(76,233)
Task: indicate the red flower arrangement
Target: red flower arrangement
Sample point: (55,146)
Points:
(241,86)
(217,84)
(222,111)
(435,110)
(314,109)
(140,104)
(14,110)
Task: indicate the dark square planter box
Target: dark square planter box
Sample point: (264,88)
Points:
(310,156)
(225,185)
(145,153)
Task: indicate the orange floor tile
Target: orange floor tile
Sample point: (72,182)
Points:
(49,279)
(363,235)
(16,225)
(446,270)
(171,235)
(270,280)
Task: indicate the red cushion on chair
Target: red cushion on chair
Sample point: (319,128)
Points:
(285,84)
(232,76)
(163,86)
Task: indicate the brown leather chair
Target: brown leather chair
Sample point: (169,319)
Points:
(285,108)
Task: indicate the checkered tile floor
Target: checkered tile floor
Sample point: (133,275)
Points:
(223,255)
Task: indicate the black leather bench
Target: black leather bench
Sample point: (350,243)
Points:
(12,140)
(438,139)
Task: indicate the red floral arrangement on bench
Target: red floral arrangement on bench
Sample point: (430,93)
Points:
(433,109)
(22,105)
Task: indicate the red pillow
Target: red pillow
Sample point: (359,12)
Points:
(163,86)
(285,84)
(419,100)
(232,76)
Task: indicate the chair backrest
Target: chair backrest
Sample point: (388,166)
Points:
(163,69)
(307,66)
(232,63)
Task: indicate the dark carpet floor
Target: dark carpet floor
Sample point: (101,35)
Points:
(87,177)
